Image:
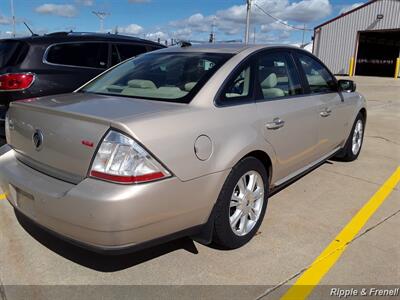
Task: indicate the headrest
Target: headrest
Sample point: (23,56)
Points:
(189,86)
(142,84)
(270,82)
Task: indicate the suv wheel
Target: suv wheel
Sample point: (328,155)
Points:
(241,205)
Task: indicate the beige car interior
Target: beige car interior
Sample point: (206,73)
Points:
(269,89)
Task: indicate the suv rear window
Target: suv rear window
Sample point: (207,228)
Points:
(12,52)
(91,55)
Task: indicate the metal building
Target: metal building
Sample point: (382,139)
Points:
(363,41)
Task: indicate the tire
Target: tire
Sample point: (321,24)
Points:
(351,151)
(252,206)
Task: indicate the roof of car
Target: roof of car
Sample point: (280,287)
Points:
(231,48)
(82,36)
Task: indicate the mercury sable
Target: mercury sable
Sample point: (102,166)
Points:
(185,141)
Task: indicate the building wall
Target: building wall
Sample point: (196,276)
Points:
(335,42)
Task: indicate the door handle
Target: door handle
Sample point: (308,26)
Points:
(275,124)
(326,112)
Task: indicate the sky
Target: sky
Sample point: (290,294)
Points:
(178,19)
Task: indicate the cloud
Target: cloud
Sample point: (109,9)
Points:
(157,35)
(231,21)
(62,10)
(306,11)
(85,2)
(350,7)
(139,1)
(131,29)
(5,20)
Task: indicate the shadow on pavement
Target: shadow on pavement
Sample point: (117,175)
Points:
(112,263)
(96,261)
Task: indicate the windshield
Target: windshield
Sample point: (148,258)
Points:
(174,77)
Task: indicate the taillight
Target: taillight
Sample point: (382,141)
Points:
(16,82)
(120,159)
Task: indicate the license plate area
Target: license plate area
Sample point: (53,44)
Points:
(23,200)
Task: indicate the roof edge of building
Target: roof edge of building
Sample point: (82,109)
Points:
(345,14)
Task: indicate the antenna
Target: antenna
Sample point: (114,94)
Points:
(13,17)
(30,30)
(101,15)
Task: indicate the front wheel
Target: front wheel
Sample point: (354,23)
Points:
(354,142)
(241,205)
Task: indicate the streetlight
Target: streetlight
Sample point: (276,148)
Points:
(13,17)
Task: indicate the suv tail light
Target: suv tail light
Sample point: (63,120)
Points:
(16,82)
(120,159)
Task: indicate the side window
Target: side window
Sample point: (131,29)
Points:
(92,55)
(318,77)
(115,59)
(277,76)
(239,87)
(128,50)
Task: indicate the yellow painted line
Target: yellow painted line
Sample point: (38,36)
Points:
(324,262)
(2,196)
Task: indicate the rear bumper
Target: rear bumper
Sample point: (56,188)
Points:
(107,216)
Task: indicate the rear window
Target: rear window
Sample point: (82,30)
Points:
(174,77)
(12,52)
(121,52)
(90,55)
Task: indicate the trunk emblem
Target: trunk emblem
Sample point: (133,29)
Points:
(37,139)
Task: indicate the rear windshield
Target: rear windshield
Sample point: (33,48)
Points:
(174,77)
(10,52)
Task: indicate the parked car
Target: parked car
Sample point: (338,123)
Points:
(59,63)
(182,141)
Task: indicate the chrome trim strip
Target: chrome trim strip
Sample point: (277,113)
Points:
(47,170)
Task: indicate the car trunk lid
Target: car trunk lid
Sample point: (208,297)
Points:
(59,135)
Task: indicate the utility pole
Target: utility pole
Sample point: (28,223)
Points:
(304,32)
(246,37)
(212,34)
(254,35)
(13,18)
(101,15)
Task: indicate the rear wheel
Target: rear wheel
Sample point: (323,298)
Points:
(354,142)
(241,205)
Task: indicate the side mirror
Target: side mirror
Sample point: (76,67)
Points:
(347,86)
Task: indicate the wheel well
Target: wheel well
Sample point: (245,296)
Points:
(264,159)
(363,112)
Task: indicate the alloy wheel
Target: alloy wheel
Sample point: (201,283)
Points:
(246,203)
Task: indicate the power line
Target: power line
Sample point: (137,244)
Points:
(280,21)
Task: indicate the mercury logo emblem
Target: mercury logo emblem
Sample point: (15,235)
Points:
(37,139)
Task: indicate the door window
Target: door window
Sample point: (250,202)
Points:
(277,76)
(92,55)
(239,87)
(318,77)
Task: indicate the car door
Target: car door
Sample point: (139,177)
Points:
(289,118)
(332,116)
